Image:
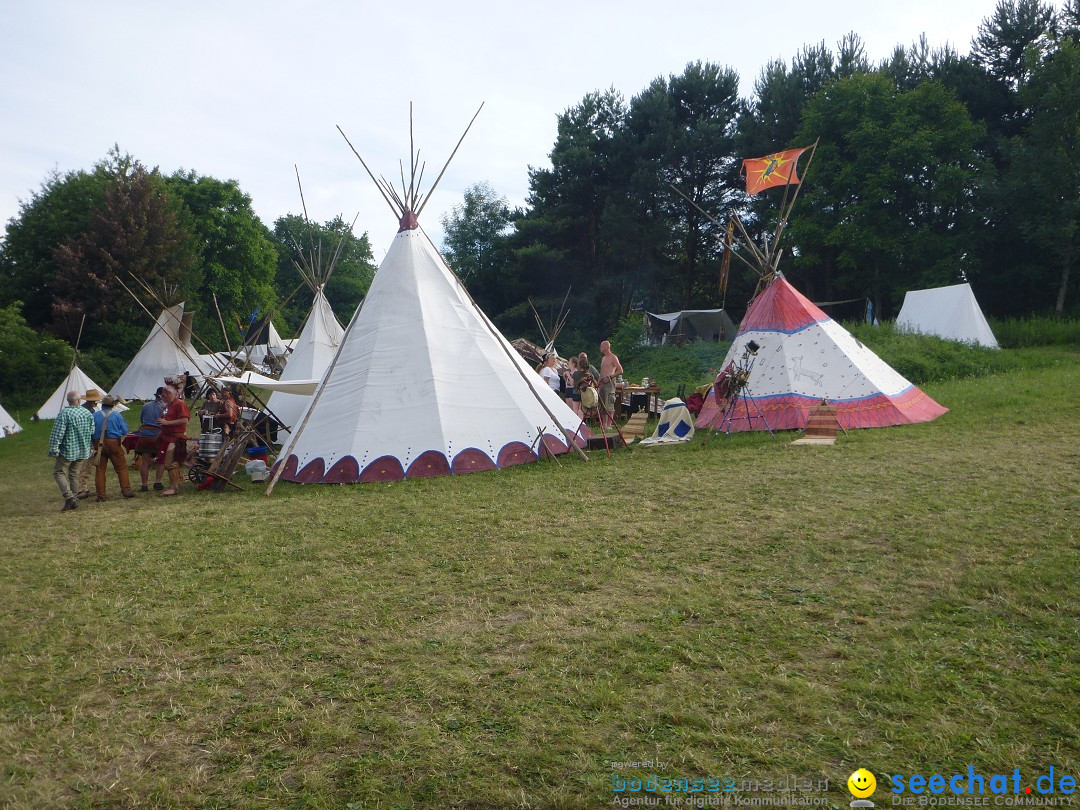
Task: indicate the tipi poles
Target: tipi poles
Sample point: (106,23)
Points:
(749,242)
(166,309)
(224,331)
(78,340)
(174,341)
(393,207)
(445,165)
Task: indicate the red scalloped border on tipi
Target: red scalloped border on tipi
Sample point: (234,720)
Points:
(428,464)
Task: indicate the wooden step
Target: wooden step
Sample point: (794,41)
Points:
(635,426)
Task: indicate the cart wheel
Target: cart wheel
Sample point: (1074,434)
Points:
(197,475)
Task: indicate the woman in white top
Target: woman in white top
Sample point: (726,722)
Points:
(548,372)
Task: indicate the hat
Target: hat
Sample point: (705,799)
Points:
(108,401)
(93,395)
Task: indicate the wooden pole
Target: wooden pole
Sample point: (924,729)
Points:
(437,179)
(397,213)
(785,215)
(749,242)
(78,340)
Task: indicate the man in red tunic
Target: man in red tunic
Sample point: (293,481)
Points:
(172,446)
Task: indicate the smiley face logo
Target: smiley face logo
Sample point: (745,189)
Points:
(862,783)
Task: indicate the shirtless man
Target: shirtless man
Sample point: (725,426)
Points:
(610,369)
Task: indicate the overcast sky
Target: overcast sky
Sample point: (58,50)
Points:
(243,90)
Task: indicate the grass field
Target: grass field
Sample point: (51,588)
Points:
(906,601)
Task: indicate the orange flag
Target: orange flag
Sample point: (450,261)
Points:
(771,170)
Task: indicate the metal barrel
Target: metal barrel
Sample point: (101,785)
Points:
(209,445)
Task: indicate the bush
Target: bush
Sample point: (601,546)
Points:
(1016,333)
(925,358)
(671,366)
(629,335)
(31,362)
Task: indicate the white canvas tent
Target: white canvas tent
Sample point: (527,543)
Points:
(948,312)
(257,380)
(76,380)
(7,423)
(310,358)
(262,338)
(217,362)
(167,351)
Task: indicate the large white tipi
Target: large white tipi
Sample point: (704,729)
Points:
(423,384)
(76,380)
(950,312)
(167,351)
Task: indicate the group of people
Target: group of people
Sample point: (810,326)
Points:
(85,440)
(581,384)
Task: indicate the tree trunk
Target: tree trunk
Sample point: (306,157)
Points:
(1066,266)
(877,289)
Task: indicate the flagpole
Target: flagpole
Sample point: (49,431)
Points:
(785,215)
(749,241)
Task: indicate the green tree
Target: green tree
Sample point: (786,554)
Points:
(684,127)
(237,253)
(137,232)
(1040,198)
(31,362)
(474,237)
(558,241)
(889,207)
(59,211)
(352,274)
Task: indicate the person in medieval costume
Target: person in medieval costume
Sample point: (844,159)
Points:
(172,446)
(110,428)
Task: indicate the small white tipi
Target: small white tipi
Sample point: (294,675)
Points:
(948,312)
(260,340)
(167,351)
(423,384)
(7,423)
(310,358)
(76,380)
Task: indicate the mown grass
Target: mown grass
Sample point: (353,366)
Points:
(906,600)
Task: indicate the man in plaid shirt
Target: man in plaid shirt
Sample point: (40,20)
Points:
(70,443)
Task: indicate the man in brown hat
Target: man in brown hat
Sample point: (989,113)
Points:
(91,402)
(110,428)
